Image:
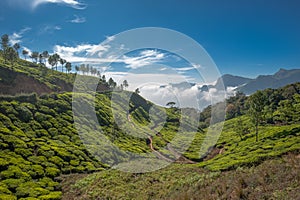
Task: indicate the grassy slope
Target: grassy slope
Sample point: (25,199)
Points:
(242,175)
(272,179)
(39,141)
(54,80)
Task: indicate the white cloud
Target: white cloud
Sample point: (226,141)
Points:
(16,37)
(80,52)
(78,19)
(185,69)
(33,4)
(149,81)
(49,29)
(197,66)
(71,3)
(146,57)
(184,97)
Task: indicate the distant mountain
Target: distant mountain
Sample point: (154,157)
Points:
(232,81)
(247,85)
(279,79)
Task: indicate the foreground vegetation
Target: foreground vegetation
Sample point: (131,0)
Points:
(273,179)
(43,154)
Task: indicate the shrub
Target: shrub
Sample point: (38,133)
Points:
(12,184)
(41,132)
(7,197)
(3,164)
(57,160)
(51,196)
(53,131)
(29,198)
(37,159)
(24,152)
(36,171)
(74,162)
(52,172)
(24,113)
(25,189)
(12,172)
(48,183)
(4,190)
(38,191)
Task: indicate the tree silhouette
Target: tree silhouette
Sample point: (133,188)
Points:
(171,104)
(10,55)
(4,45)
(45,56)
(53,60)
(25,53)
(76,68)
(256,104)
(41,58)
(34,56)
(4,41)
(68,67)
(137,91)
(62,62)
(82,68)
(17,46)
(125,84)
(111,83)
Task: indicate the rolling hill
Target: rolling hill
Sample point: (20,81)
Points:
(53,148)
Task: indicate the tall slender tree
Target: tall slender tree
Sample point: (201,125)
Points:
(4,41)
(4,45)
(41,58)
(68,67)
(25,53)
(45,56)
(256,103)
(10,55)
(34,56)
(125,84)
(62,62)
(82,68)
(111,83)
(17,46)
(53,60)
(76,68)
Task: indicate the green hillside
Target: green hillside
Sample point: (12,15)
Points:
(39,141)
(52,148)
(27,77)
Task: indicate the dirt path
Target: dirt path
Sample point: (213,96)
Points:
(158,154)
(179,158)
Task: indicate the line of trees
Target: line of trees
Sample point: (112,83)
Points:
(11,54)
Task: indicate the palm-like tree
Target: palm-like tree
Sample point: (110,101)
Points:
(62,62)
(125,84)
(34,56)
(76,68)
(68,67)
(17,46)
(45,56)
(41,58)
(25,53)
(4,41)
(53,60)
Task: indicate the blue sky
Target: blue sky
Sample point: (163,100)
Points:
(243,37)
